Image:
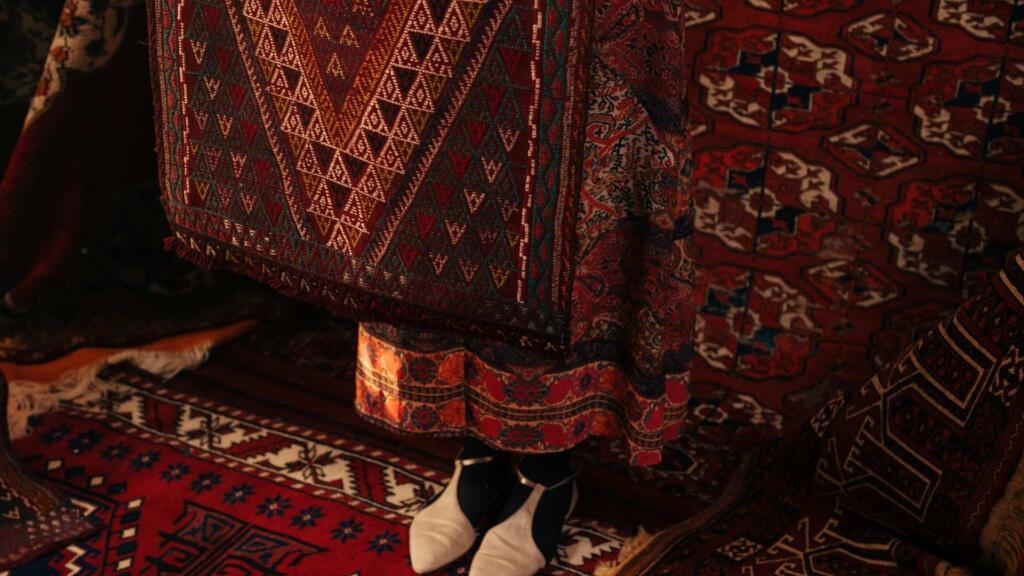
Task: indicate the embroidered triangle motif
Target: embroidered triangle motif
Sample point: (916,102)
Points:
(225,123)
(452,47)
(213,158)
(421,44)
(212,86)
(324,225)
(508,209)
(257,27)
(487,238)
(424,224)
(513,238)
(421,20)
(491,169)
(455,231)
(471,10)
(389,111)
(404,78)
(321,29)
(226,196)
(408,254)
(198,50)
(348,37)
(473,200)
(469,268)
(201,118)
(238,162)
(203,188)
(508,137)
(248,202)
(437,61)
(500,276)
(334,67)
(454,25)
(439,261)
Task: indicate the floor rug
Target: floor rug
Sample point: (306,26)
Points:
(185,485)
(34,518)
(300,366)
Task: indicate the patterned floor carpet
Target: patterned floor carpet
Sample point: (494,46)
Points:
(263,425)
(299,366)
(186,485)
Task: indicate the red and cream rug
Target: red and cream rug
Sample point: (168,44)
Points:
(185,485)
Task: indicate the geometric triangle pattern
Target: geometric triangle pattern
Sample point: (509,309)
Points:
(412,161)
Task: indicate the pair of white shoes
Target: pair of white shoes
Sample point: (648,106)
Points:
(441,533)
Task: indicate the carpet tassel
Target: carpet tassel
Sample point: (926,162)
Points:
(27,399)
(629,549)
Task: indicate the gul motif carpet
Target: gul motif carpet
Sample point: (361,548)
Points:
(856,166)
(917,471)
(856,173)
(414,160)
(189,486)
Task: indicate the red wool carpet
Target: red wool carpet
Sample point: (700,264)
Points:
(185,485)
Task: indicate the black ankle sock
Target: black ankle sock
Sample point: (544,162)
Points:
(548,470)
(473,448)
(481,484)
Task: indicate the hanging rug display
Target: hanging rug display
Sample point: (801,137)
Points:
(413,161)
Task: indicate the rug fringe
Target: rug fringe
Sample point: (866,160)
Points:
(629,549)
(27,398)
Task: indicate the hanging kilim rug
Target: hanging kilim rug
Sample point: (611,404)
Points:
(183,485)
(404,160)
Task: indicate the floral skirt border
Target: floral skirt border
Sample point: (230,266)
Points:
(453,392)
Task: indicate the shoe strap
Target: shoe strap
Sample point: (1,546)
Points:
(531,484)
(474,461)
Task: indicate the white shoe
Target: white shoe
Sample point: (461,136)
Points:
(441,533)
(508,549)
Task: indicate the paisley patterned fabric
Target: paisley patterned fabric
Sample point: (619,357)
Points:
(631,301)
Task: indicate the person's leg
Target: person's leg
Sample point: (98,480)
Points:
(481,484)
(549,470)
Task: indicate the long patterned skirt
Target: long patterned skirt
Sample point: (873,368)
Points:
(632,314)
